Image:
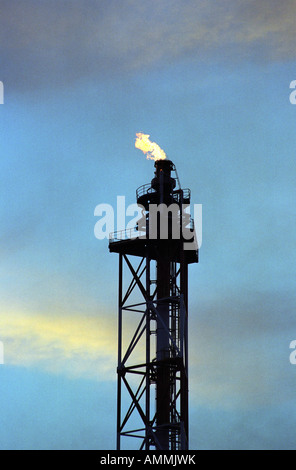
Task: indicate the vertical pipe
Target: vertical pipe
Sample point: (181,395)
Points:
(163,398)
(163,355)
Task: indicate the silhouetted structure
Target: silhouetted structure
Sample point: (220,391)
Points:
(153,357)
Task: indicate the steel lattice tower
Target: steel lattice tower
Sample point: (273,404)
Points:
(153,297)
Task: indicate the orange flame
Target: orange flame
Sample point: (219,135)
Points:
(151,149)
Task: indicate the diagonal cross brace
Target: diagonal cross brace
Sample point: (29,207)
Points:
(137,279)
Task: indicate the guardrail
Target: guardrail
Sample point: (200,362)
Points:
(147,189)
(186,195)
(133,233)
(128,234)
(144,189)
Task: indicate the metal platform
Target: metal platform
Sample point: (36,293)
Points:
(131,243)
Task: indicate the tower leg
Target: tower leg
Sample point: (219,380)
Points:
(184,371)
(119,354)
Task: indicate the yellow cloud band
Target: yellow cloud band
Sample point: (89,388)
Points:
(76,345)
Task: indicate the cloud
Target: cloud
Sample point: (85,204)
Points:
(73,345)
(59,42)
(239,350)
(76,346)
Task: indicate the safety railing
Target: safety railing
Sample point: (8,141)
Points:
(147,189)
(127,234)
(143,190)
(186,195)
(134,233)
